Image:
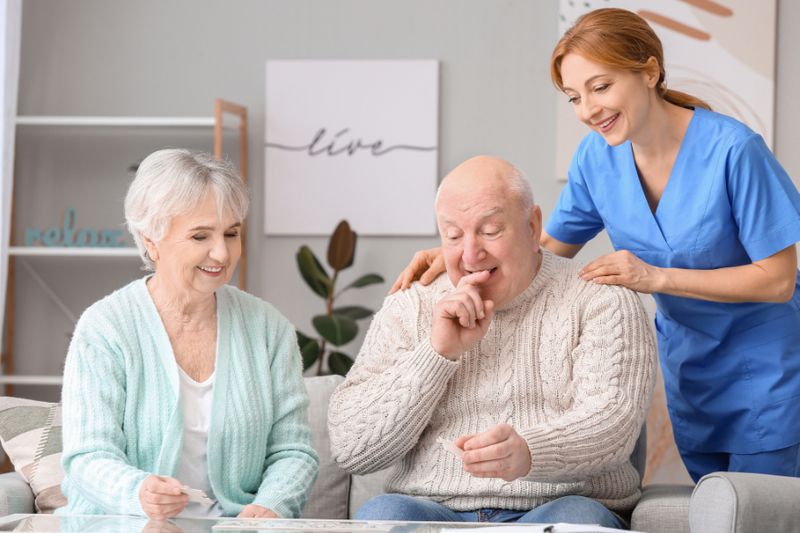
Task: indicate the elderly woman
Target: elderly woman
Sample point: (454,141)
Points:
(178,383)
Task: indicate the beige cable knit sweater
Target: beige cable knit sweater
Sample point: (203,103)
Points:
(569,364)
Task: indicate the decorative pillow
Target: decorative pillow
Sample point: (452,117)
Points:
(30,432)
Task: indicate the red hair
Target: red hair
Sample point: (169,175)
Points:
(618,39)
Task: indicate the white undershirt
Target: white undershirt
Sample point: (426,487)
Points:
(195,399)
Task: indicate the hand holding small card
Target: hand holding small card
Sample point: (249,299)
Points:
(450,447)
(197,496)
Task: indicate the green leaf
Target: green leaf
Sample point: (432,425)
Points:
(336,329)
(313,272)
(339,363)
(342,247)
(363,281)
(309,349)
(355,312)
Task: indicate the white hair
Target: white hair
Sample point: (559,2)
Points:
(174,181)
(519,186)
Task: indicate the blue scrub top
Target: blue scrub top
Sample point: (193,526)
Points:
(731,371)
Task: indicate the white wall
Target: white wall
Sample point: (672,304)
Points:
(117,57)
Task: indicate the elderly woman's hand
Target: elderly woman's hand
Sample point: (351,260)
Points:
(161,497)
(256,511)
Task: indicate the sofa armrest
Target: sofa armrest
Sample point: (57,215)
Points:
(736,502)
(15,495)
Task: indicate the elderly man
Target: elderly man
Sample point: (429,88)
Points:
(508,390)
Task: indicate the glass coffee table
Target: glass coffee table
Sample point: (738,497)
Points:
(131,524)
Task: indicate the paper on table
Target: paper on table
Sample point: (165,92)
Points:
(541,528)
(328,526)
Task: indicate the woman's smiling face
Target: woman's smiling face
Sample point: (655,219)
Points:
(615,103)
(201,249)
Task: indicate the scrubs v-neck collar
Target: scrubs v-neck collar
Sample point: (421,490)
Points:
(658,221)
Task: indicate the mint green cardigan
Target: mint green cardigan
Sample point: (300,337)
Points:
(122,417)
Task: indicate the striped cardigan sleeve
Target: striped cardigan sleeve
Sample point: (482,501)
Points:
(291,462)
(94,457)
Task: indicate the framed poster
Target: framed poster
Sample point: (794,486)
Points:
(721,52)
(351,139)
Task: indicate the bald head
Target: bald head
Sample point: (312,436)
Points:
(484,172)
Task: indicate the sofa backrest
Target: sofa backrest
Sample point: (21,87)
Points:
(639,453)
(331,493)
(336,495)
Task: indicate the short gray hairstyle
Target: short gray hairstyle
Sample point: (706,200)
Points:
(174,181)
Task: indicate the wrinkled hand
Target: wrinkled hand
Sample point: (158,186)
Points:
(426,265)
(161,497)
(461,318)
(497,452)
(624,268)
(256,511)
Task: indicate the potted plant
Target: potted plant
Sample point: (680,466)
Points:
(337,326)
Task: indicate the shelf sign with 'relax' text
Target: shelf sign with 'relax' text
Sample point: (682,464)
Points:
(67,235)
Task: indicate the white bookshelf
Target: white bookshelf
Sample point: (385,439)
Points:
(31,380)
(95,121)
(20,255)
(72,251)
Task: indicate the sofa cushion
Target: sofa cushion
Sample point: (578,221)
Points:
(663,509)
(336,495)
(329,496)
(364,487)
(30,432)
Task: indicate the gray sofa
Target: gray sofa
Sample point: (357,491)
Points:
(721,502)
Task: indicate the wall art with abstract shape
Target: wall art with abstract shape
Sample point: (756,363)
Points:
(720,51)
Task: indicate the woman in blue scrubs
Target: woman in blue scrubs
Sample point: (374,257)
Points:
(703,217)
